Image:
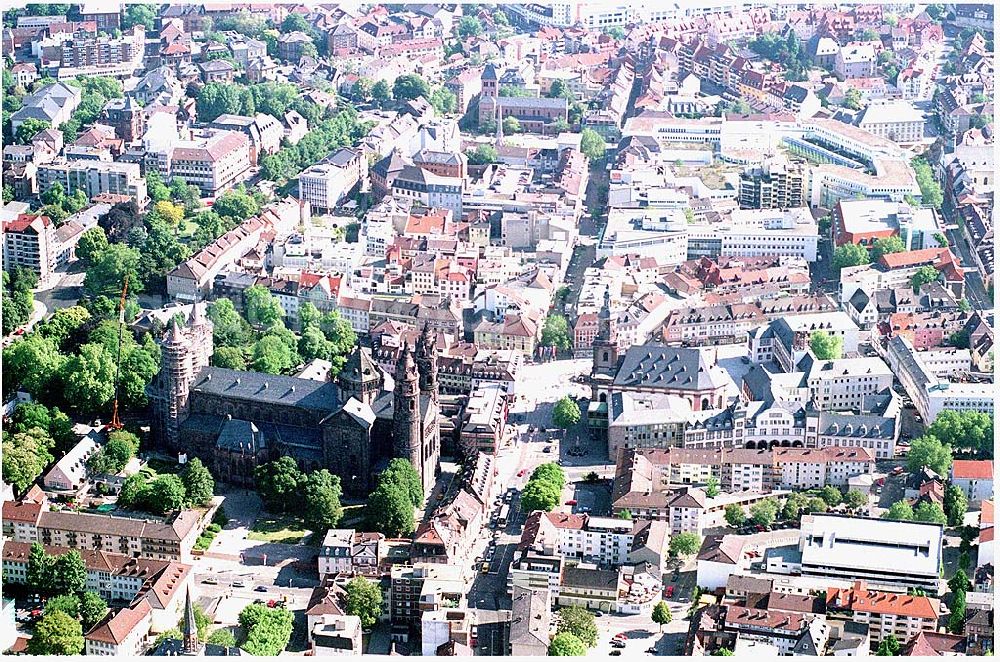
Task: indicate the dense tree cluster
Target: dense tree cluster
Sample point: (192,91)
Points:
(930,189)
(826,346)
(580,623)
(398,492)
(543,489)
(784,50)
(340,131)
(18,299)
(555,333)
(364,600)
(315,496)
(566,413)
(168,492)
(112,457)
(268,630)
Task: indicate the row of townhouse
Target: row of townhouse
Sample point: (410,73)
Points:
(171,539)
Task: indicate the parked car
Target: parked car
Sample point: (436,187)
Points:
(677,575)
(617,643)
(668,592)
(615,653)
(485,568)
(239,584)
(260,589)
(571,502)
(211,581)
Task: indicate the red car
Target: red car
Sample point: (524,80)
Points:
(571,502)
(520,473)
(668,592)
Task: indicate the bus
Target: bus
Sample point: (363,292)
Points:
(502,517)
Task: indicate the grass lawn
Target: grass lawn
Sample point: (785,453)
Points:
(284,529)
(163,467)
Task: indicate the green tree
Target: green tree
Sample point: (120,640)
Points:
(685,544)
(401,473)
(381,93)
(144,15)
(236,204)
(115,455)
(941,240)
(390,511)
(723,652)
(93,608)
(29,128)
(362,89)
(889,646)
(555,333)
(956,622)
(57,634)
(956,503)
(272,355)
(968,430)
(69,573)
(229,327)
(40,564)
(764,512)
(89,378)
(539,495)
(560,90)
(850,255)
(566,413)
(321,501)
(155,187)
(616,33)
(855,499)
(278,482)
(229,357)
(901,511)
(469,26)
(33,363)
(410,86)
(364,600)
(929,512)
(267,630)
(887,245)
(482,155)
(511,125)
(826,346)
(25,456)
(443,100)
(624,513)
(566,644)
(134,492)
(830,495)
(930,189)
(580,623)
(68,604)
(852,99)
(222,637)
(924,275)
(712,487)
(199,486)
(662,614)
(592,144)
(928,451)
(106,275)
(735,516)
(263,308)
(166,494)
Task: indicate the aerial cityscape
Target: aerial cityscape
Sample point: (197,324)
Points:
(595,328)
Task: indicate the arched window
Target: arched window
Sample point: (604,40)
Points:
(750,445)
(705,404)
(605,355)
(603,397)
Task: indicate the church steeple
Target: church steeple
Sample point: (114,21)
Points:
(427,362)
(406,417)
(605,360)
(190,627)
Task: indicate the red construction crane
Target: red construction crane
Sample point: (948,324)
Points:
(116,423)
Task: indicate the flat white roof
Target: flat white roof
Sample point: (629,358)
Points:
(871,544)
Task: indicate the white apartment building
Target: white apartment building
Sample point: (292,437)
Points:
(898,121)
(335,555)
(603,540)
(326,184)
(757,232)
(932,394)
(213,163)
(843,384)
(95,177)
(888,555)
(806,468)
(29,241)
(124,634)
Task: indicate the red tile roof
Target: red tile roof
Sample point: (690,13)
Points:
(114,629)
(25,221)
(15,511)
(972,469)
(860,599)
(986,516)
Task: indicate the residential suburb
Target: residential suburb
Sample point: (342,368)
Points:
(601,328)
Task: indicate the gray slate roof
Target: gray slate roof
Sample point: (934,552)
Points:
(268,389)
(664,367)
